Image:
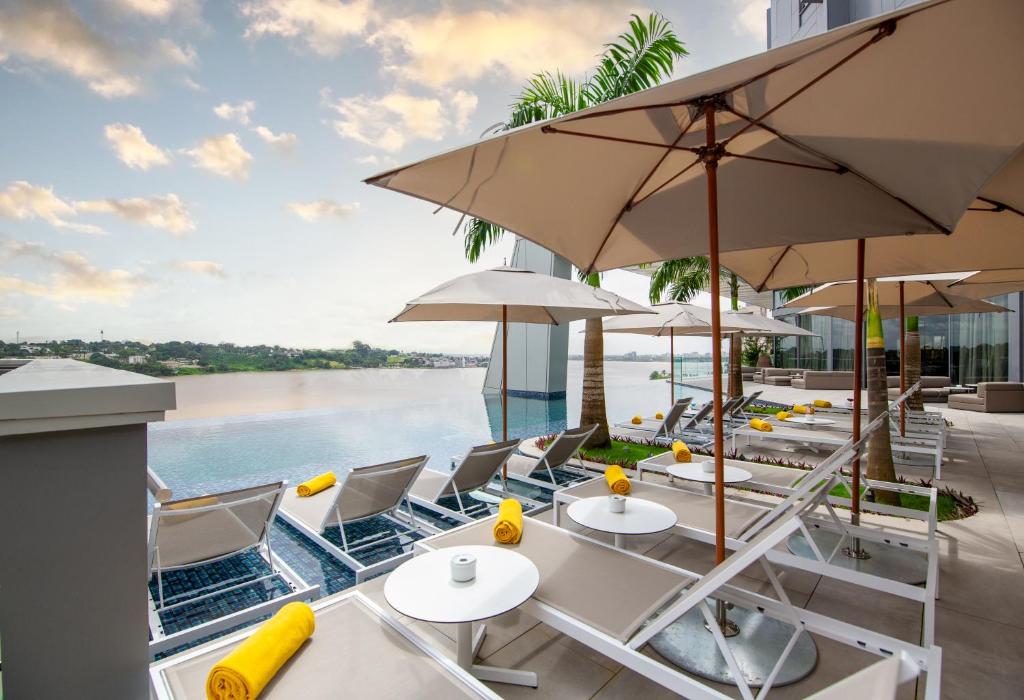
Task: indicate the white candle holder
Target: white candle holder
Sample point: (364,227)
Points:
(708,467)
(617,503)
(463,568)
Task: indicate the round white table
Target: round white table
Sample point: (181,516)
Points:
(641,517)
(422,588)
(809,422)
(694,471)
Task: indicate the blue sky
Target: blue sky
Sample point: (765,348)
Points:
(180,169)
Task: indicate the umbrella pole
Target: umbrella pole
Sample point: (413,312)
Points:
(671,367)
(710,158)
(858,367)
(504,384)
(903,364)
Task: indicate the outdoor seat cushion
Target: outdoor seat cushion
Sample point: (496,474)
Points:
(353,647)
(820,379)
(311,511)
(694,510)
(608,589)
(428,484)
(778,381)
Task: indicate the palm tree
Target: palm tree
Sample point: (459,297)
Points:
(912,346)
(642,57)
(880,465)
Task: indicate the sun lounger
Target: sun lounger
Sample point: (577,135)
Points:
(744,520)
(560,455)
(357,650)
(879,681)
(654,427)
(451,493)
(615,602)
(188,591)
(739,411)
(376,491)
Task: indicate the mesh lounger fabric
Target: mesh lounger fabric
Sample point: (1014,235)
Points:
(475,471)
(878,681)
(607,589)
(693,509)
(353,652)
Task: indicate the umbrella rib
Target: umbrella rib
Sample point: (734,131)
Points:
(843,168)
(999,206)
(629,202)
(619,139)
(942,296)
(785,251)
(837,169)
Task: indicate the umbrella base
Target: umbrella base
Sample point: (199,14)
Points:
(689,645)
(880,560)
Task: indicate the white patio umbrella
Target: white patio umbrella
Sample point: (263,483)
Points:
(511,295)
(671,318)
(860,131)
(749,323)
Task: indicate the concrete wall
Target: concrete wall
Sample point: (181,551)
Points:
(538,354)
(73,564)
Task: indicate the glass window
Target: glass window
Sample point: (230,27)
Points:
(979,346)
(842,345)
(804,352)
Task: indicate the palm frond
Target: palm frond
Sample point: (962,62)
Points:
(791,293)
(680,279)
(478,235)
(642,57)
(591,278)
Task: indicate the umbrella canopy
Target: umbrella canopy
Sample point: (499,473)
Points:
(752,324)
(527,297)
(1014,275)
(988,237)
(917,292)
(962,305)
(671,318)
(860,131)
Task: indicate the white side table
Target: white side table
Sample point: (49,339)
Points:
(641,517)
(694,471)
(422,588)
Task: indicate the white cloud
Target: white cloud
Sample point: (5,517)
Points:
(51,33)
(374,159)
(74,279)
(132,147)
(751,18)
(202,267)
(516,40)
(391,121)
(159,10)
(167,213)
(25,201)
(320,208)
(322,25)
(222,155)
(284,141)
(240,112)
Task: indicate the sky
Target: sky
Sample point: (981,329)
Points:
(189,170)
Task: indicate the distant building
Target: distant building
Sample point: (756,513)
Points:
(444,363)
(137,359)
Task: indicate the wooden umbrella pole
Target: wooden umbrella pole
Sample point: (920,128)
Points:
(903,364)
(858,365)
(671,367)
(504,377)
(710,158)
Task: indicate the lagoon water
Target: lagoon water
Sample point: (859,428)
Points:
(234,430)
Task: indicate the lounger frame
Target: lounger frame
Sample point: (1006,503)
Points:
(300,590)
(162,690)
(543,462)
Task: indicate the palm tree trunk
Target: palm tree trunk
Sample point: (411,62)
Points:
(592,405)
(735,344)
(912,343)
(880,464)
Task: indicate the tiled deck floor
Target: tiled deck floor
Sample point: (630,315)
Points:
(980,617)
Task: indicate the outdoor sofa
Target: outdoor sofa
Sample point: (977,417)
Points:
(817,379)
(776,376)
(992,397)
(748,373)
(933,389)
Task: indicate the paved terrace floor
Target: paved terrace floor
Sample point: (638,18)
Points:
(980,616)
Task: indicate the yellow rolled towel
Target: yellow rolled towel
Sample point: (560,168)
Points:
(245,672)
(508,529)
(805,410)
(783,415)
(617,480)
(659,416)
(316,484)
(822,403)
(681,451)
(762,425)
(637,420)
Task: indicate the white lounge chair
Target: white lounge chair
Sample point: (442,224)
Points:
(357,650)
(361,494)
(744,521)
(190,533)
(560,455)
(615,602)
(468,487)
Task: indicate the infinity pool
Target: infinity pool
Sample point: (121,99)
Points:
(362,417)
